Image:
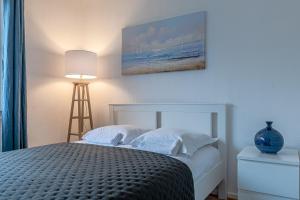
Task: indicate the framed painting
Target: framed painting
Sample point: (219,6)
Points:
(174,44)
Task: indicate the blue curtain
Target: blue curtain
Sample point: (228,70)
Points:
(14,128)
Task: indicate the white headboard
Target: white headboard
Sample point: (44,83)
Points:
(209,119)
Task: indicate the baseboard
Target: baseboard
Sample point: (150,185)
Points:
(230,195)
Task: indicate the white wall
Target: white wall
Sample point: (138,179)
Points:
(253,56)
(52,26)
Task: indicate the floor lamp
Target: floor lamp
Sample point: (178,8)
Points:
(80,65)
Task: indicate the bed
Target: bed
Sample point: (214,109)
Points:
(89,171)
(198,118)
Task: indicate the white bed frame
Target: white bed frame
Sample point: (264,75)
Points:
(197,118)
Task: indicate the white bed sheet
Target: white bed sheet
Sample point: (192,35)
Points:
(202,160)
(200,163)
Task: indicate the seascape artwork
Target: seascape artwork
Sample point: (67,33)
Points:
(174,44)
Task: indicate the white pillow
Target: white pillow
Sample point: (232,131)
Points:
(169,141)
(115,134)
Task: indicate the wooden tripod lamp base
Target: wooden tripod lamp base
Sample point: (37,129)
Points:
(81,99)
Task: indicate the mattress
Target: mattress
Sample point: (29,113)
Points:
(200,163)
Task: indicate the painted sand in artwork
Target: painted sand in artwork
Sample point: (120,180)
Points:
(174,44)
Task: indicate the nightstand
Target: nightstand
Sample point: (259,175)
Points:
(268,176)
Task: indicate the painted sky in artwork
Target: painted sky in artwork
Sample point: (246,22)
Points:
(164,34)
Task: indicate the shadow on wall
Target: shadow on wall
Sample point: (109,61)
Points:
(110,66)
(37,38)
(104,93)
(232,150)
(54,25)
(44,57)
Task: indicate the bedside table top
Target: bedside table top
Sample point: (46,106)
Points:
(285,156)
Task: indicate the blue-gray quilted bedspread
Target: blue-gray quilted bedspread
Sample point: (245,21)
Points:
(83,171)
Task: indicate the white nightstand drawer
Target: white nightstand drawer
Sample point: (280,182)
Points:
(269,178)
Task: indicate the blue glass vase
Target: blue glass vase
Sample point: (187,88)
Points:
(269,140)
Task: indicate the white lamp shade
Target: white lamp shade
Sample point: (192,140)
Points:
(80,64)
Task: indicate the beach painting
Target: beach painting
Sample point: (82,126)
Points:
(174,44)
